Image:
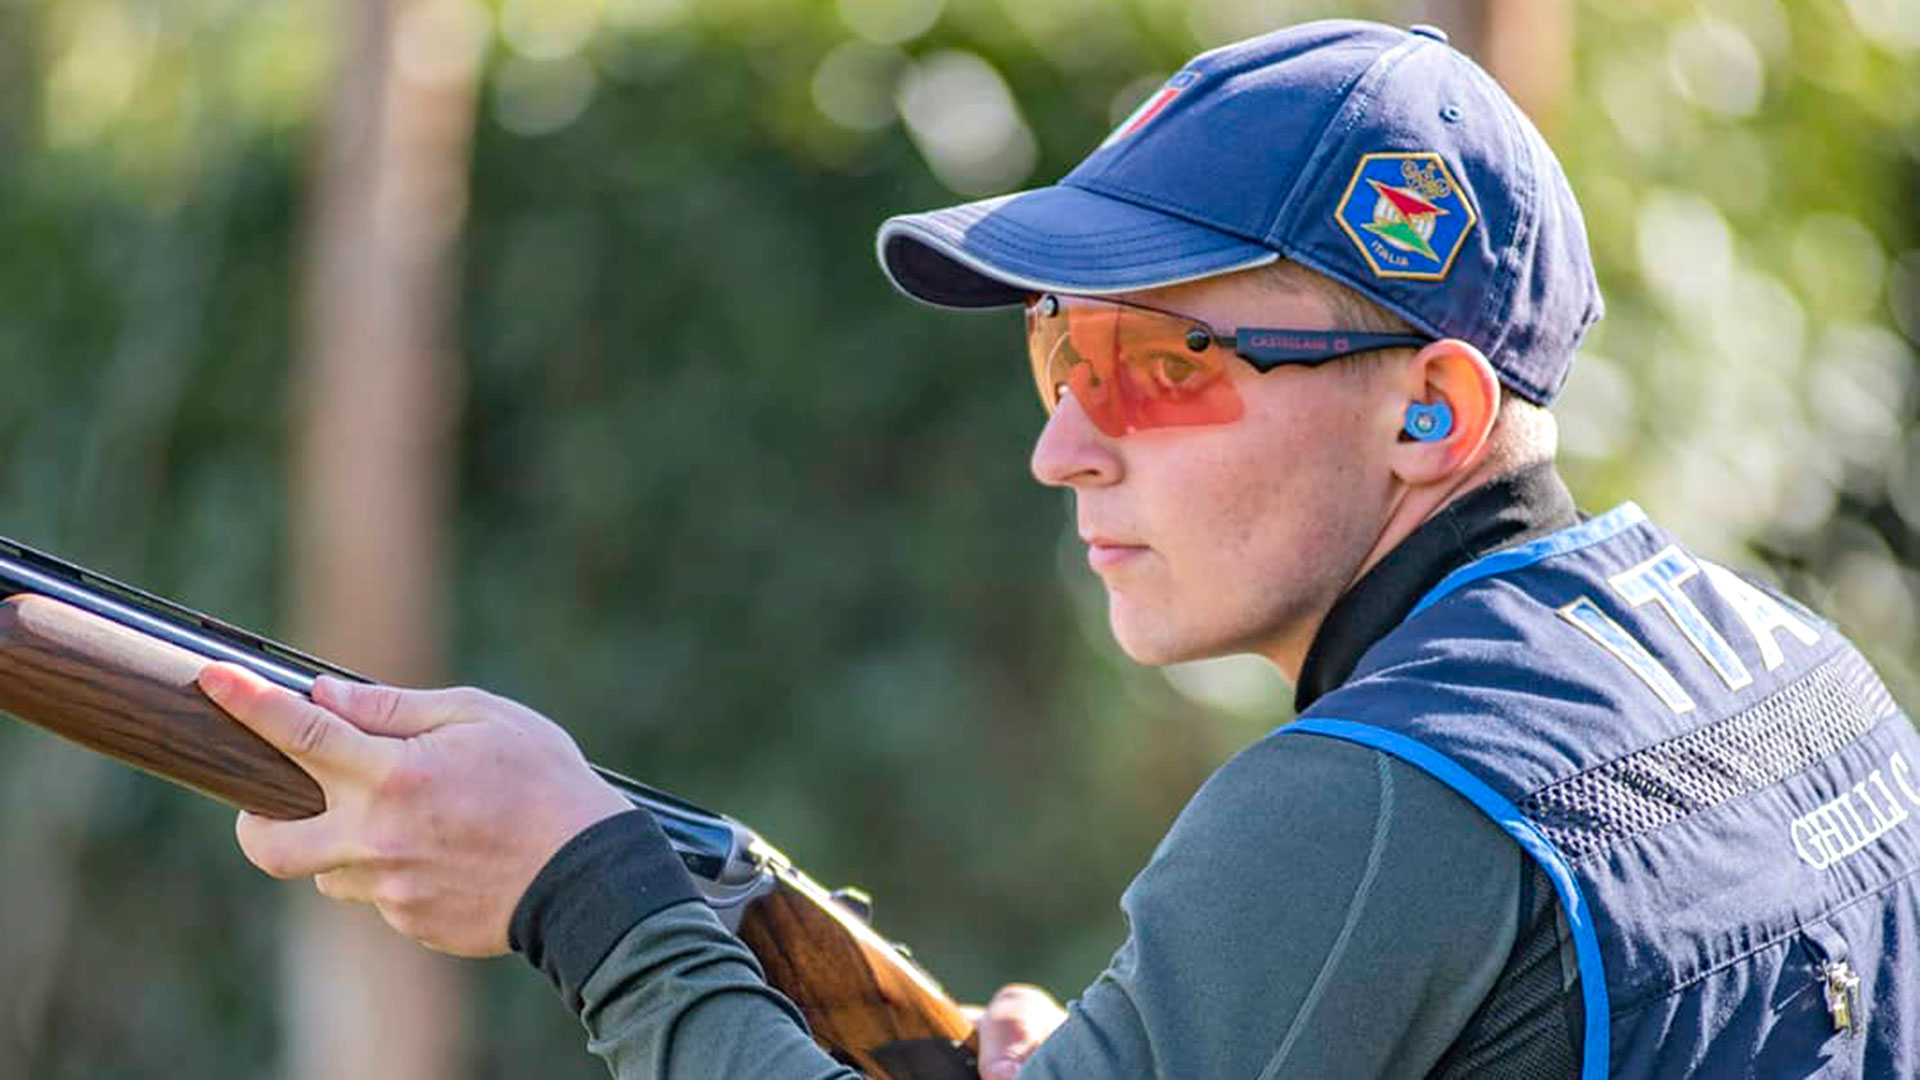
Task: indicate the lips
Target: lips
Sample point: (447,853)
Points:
(1105,552)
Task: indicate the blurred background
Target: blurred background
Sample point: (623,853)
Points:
(539,344)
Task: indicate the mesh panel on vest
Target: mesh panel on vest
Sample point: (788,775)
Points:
(1523,1030)
(1797,725)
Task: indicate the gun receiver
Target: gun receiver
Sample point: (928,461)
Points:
(113,668)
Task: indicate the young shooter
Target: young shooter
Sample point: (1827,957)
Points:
(1564,799)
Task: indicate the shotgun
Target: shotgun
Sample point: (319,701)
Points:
(112,668)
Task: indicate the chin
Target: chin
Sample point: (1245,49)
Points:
(1159,645)
(1150,638)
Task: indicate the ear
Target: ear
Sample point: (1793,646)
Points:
(1455,374)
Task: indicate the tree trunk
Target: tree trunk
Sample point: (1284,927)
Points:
(377,396)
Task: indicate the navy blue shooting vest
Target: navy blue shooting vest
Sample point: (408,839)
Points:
(1723,793)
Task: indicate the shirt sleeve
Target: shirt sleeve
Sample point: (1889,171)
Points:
(1319,909)
(680,997)
(664,990)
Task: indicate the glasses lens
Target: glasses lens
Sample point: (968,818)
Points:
(1129,368)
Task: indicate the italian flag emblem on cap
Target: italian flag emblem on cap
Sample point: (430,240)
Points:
(1151,107)
(1406,214)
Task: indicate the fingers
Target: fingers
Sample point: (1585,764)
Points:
(349,885)
(457,798)
(1017,999)
(314,738)
(1012,1027)
(291,849)
(407,908)
(1003,1063)
(391,711)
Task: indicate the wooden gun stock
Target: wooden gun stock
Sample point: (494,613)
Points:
(133,697)
(867,1004)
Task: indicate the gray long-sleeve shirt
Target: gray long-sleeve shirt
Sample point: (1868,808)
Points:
(1318,910)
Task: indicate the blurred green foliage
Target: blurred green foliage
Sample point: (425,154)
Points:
(757,529)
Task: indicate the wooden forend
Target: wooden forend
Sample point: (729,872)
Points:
(132,697)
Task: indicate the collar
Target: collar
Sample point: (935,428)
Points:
(1522,505)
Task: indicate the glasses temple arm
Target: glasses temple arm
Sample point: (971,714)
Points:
(1267,349)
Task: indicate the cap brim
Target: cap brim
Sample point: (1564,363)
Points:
(1055,239)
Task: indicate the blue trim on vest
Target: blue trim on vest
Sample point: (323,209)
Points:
(1572,538)
(1586,945)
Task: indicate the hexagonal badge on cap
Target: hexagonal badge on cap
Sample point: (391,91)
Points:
(1406,215)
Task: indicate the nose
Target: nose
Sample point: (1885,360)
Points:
(1072,452)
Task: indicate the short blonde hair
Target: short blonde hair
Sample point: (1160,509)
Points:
(1350,310)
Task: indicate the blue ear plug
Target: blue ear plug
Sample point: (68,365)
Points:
(1429,423)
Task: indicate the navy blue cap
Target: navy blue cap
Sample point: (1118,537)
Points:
(1379,157)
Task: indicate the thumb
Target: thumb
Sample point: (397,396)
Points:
(381,710)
